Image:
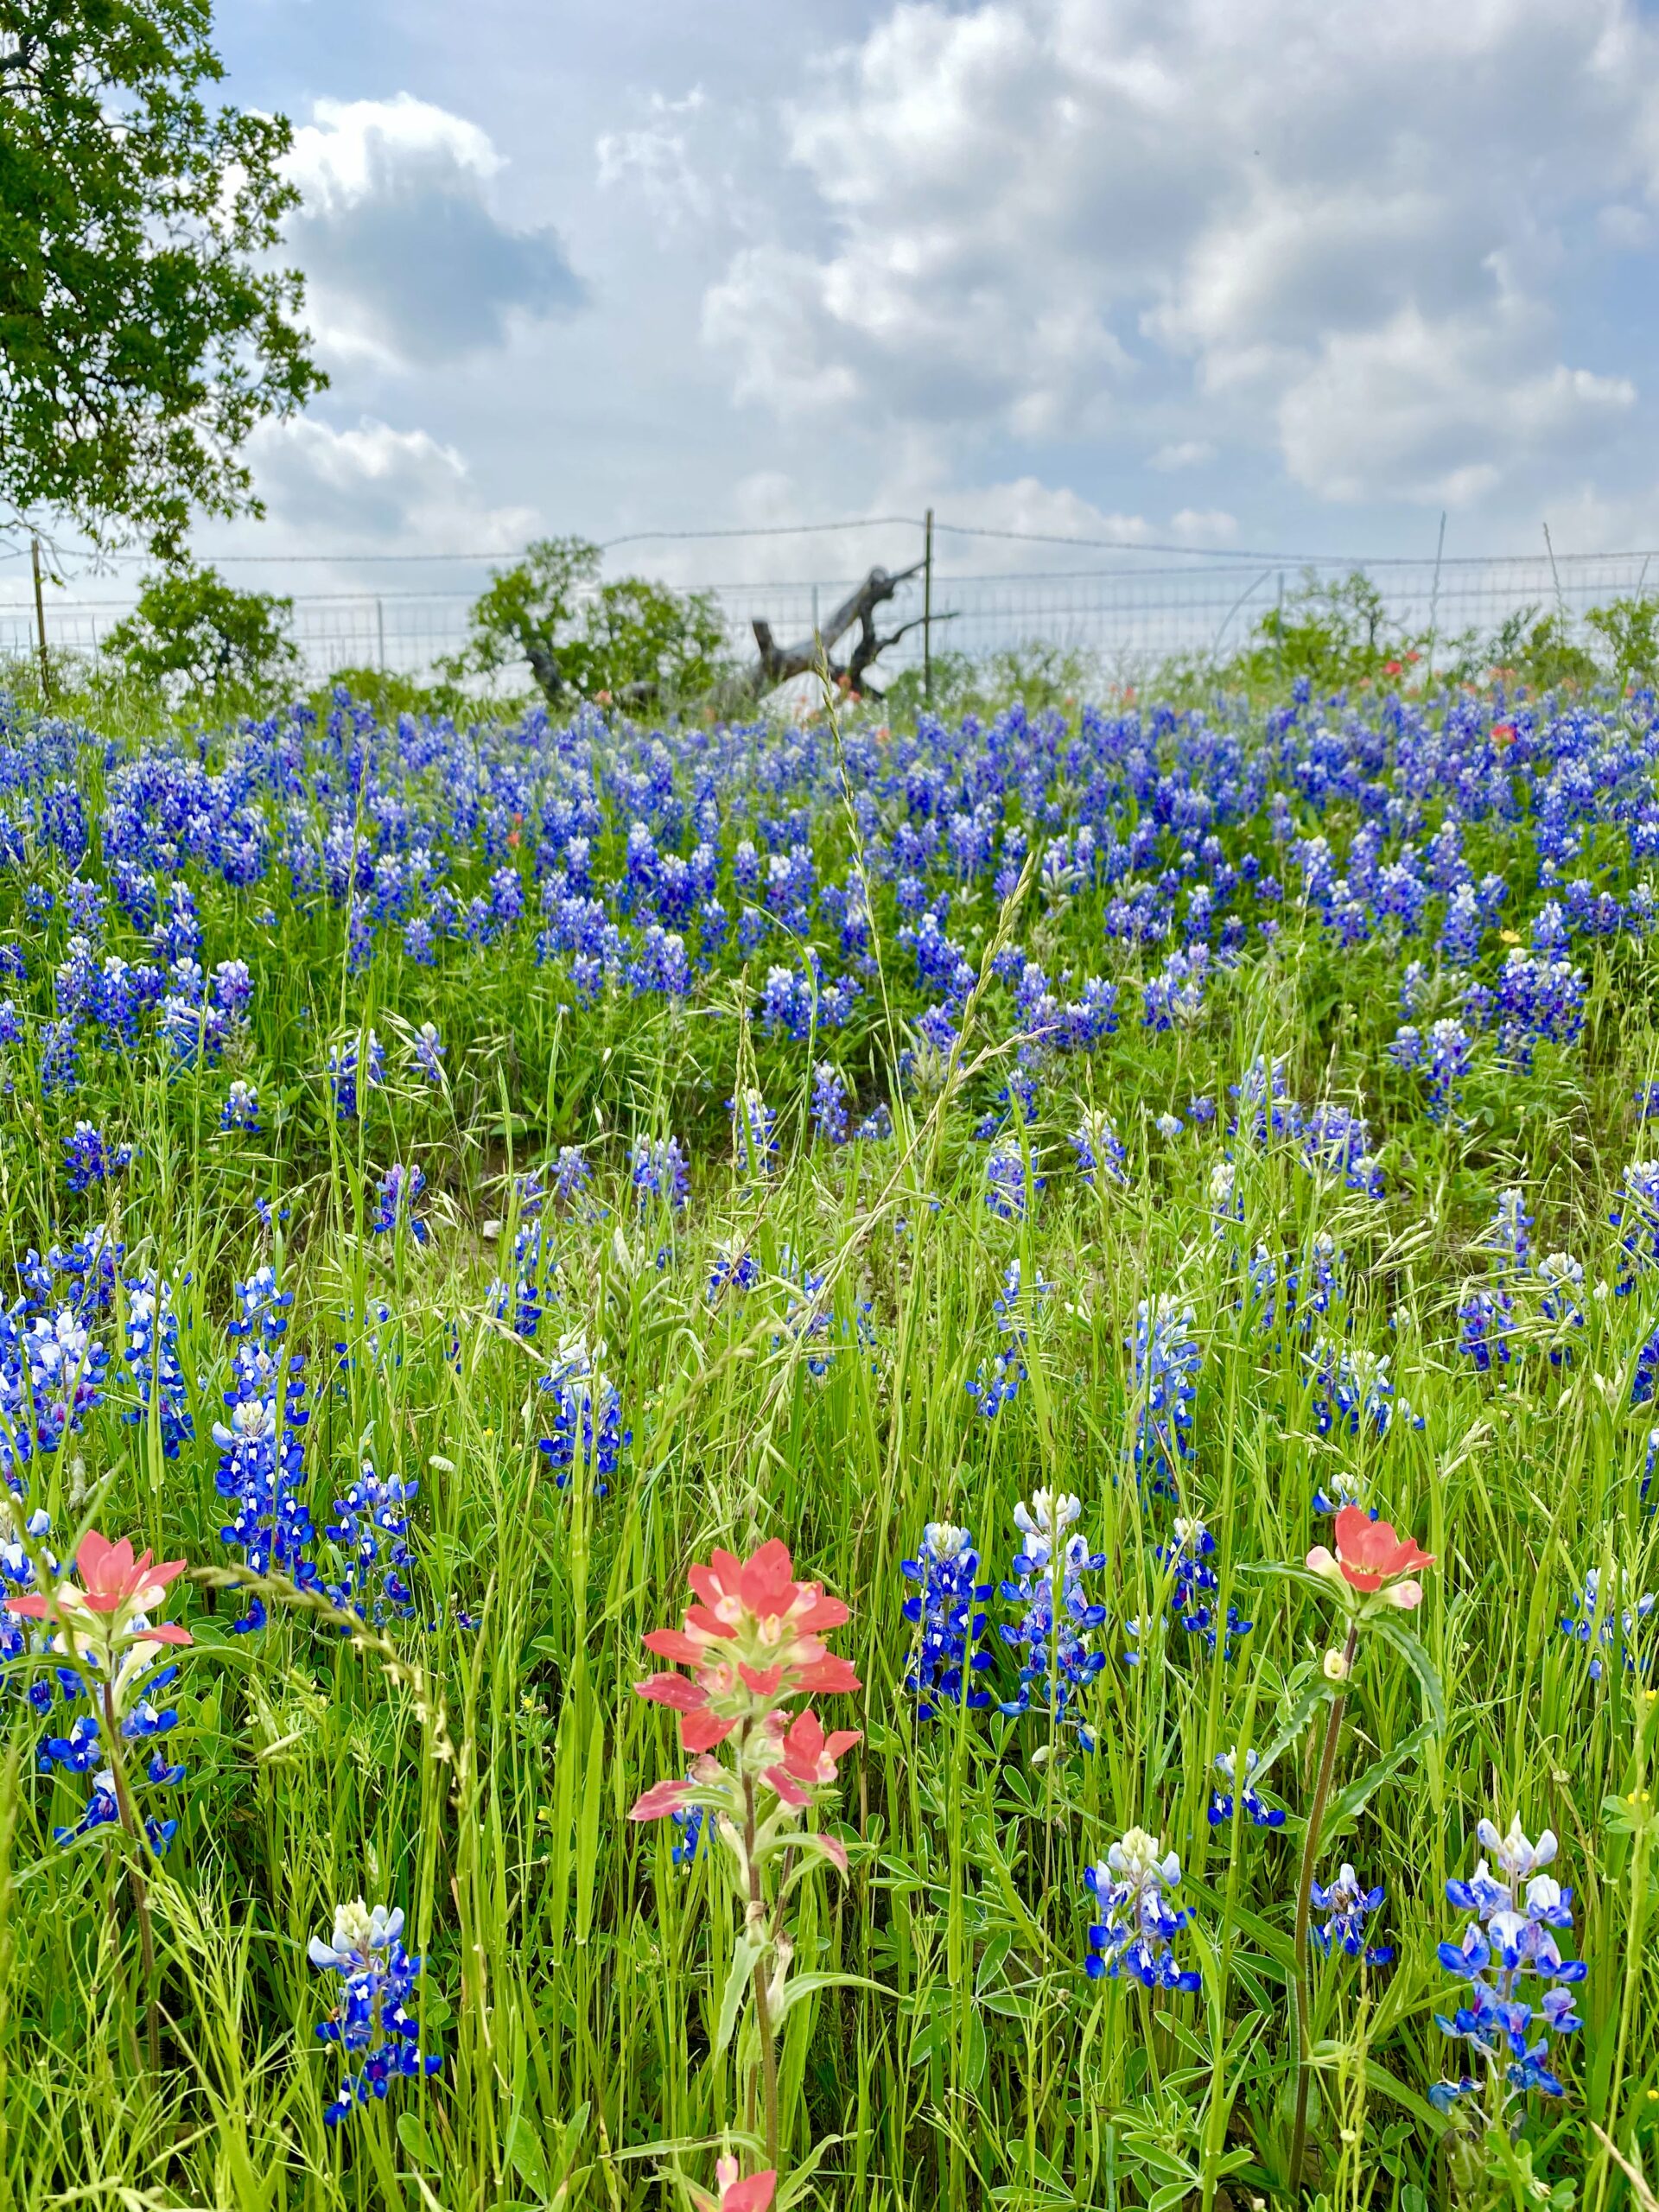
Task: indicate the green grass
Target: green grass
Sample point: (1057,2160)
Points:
(482,1779)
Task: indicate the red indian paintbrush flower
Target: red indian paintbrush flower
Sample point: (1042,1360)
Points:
(105,1617)
(754,1637)
(1371,1557)
(754,2194)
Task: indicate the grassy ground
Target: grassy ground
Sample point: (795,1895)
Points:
(479,1777)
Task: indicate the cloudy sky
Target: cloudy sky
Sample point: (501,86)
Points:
(1296,274)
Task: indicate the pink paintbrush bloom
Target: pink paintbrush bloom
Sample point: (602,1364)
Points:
(1371,1557)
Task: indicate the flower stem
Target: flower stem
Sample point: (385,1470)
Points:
(135,1879)
(1304,1908)
(762,2008)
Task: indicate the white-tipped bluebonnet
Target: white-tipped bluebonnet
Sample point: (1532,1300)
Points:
(241,1109)
(1167,1363)
(1637,1215)
(1136,1933)
(1011,1181)
(587,1417)
(1563,1280)
(152,1359)
(660,1173)
(995,1383)
(427,1053)
(1597,1619)
(1349,1906)
(1507,1237)
(260,1472)
(1511,1941)
(1100,1156)
(399,1193)
(1256,1811)
(829,1122)
(352,1072)
(1350,1390)
(369,1532)
(1486,1324)
(945,1611)
(370,2020)
(91,1159)
(754,1134)
(1057,1619)
(1195,1587)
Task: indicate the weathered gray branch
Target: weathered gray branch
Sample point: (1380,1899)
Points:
(775,664)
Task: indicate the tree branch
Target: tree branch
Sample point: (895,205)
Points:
(775,664)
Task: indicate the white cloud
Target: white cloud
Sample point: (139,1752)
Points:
(655,159)
(372,482)
(408,263)
(1434,410)
(1184,453)
(1291,214)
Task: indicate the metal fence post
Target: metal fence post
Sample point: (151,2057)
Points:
(40,622)
(927,608)
(380,633)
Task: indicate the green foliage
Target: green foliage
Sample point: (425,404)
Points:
(1539,650)
(387,693)
(194,637)
(1334,633)
(1630,627)
(1034,673)
(143,329)
(629,641)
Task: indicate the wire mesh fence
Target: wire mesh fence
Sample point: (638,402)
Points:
(1122,616)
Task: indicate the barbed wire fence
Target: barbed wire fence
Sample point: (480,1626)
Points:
(1127,609)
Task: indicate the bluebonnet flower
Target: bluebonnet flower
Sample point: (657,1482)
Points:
(398,1195)
(1485,1322)
(1202,1110)
(90,1160)
(1169,1126)
(588,1414)
(1509,1941)
(1563,1280)
(994,1385)
(1338,1143)
(1349,1905)
(1100,1153)
(1195,1586)
(735,1268)
(241,1109)
(369,2021)
(754,1139)
(426,1053)
(828,1104)
(60,1064)
(1011,1181)
(1647,1103)
(1137,1927)
(370,1534)
(659,1172)
(1265,1106)
(1507,1237)
(152,1357)
(1175,995)
(346,1075)
(689,1820)
(1637,1215)
(1259,1814)
(1167,1363)
(948,1650)
(260,1472)
(1054,1630)
(534,1288)
(1596,1620)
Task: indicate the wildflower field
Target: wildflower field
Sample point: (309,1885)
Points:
(1106,1270)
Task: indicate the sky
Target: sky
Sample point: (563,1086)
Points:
(1300,275)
